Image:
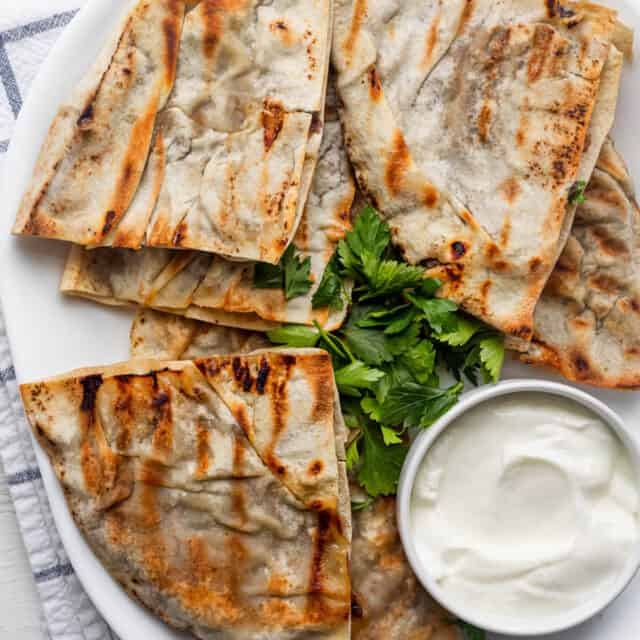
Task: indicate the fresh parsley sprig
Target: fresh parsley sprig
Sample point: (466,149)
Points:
(576,193)
(292,274)
(391,354)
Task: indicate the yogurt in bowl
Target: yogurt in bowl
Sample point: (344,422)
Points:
(519,509)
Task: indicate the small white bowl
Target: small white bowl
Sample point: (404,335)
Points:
(420,448)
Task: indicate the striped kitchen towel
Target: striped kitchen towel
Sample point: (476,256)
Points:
(28,29)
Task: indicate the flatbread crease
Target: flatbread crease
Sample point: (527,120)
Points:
(466,123)
(202,485)
(229,146)
(587,321)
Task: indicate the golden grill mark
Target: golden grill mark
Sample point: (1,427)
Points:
(607,244)
(280,28)
(317,372)
(511,189)
(273,115)
(432,39)
(170,28)
(542,41)
(484,121)
(133,164)
(430,196)
(162,439)
(263,375)
(375,88)
(505,231)
(279,396)
(359,15)
(89,456)
(212,18)
(238,497)
(399,160)
(467,12)
(202,439)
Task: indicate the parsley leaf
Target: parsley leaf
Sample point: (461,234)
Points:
(338,350)
(381,464)
(401,321)
(416,405)
(370,235)
(429,286)
(390,276)
(268,276)
(353,455)
(355,376)
(421,361)
(331,292)
(291,274)
(378,316)
(492,356)
(470,632)
(361,506)
(390,436)
(576,193)
(464,331)
(405,340)
(296,274)
(294,335)
(369,345)
(438,312)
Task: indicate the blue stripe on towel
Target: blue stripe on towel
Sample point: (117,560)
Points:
(57,571)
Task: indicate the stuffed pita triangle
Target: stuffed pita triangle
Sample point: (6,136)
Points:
(220,291)
(233,150)
(587,322)
(213,490)
(466,123)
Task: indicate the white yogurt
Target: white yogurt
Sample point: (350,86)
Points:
(525,508)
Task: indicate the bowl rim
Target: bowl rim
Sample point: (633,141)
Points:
(423,443)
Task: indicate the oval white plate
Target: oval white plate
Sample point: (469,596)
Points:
(50,333)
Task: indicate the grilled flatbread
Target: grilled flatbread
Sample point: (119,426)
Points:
(466,123)
(213,490)
(164,336)
(587,322)
(234,148)
(95,152)
(220,291)
(388,602)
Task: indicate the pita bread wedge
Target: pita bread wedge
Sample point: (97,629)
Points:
(220,291)
(234,148)
(466,123)
(95,152)
(587,322)
(388,602)
(164,336)
(210,489)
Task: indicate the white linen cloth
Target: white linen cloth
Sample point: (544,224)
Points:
(28,29)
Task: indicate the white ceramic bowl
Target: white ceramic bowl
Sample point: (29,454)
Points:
(420,448)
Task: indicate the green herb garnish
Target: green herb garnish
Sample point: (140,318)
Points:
(470,632)
(291,274)
(576,194)
(399,340)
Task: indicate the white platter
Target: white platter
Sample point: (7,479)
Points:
(50,333)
